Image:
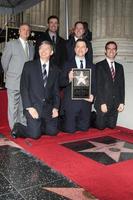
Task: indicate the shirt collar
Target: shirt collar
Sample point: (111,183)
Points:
(42,62)
(75,38)
(52,34)
(22,41)
(109,61)
(46,63)
(78,59)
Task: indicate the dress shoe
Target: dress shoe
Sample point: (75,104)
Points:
(14,132)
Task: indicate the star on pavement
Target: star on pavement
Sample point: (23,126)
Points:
(81,78)
(4,141)
(72,193)
(112,150)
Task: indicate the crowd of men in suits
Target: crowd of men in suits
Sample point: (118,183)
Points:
(39,78)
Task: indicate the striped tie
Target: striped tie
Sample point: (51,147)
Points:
(112,71)
(44,75)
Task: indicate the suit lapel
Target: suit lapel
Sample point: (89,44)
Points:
(22,50)
(21,47)
(116,69)
(50,73)
(74,64)
(88,65)
(39,71)
(107,68)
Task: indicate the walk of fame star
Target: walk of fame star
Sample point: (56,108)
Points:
(72,193)
(5,141)
(81,79)
(113,150)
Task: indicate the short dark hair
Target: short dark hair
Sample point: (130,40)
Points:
(52,17)
(46,42)
(80,40)
(110,42)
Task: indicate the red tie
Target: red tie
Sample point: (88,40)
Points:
(112,71)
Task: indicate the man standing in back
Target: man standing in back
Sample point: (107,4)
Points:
(79,33)
(15,54)
(59,44)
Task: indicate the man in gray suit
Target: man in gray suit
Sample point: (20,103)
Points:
(15,54)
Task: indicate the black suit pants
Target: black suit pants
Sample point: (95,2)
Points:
(36,127)
(107,120)
(76,116)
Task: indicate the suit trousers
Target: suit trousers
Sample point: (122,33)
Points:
(76,116)
(36,127)
(107,120)
(15,108)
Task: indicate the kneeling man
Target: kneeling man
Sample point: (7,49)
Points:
(40,96)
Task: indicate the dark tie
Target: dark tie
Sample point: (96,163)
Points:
(53,40)
(44,74)
(81,64)
(112,71)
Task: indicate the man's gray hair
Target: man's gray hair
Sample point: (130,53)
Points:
(46,42)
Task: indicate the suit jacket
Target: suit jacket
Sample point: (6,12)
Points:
(13,59)
(32,87)
(70,49)
(108,91)
(60,54)
(64,80)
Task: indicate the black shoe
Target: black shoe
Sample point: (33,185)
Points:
(15,132)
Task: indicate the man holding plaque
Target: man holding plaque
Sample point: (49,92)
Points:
(78,82)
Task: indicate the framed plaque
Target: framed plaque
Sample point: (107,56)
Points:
(81,84)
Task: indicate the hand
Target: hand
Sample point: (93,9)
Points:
(104,108)
(70,75)
(55,113)
(33,112)
(120,107)
(90,98)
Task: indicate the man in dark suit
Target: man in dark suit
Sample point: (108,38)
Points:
(40,96)
(79,33)
(59,44)
(110,89)
(75,114)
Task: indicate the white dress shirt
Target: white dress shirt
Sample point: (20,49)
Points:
(78,62)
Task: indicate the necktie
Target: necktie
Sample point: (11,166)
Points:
(27,49)
(44,74)
(53,40)
(81,64)
(112,71)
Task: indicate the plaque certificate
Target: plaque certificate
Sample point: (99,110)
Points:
(81,84)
